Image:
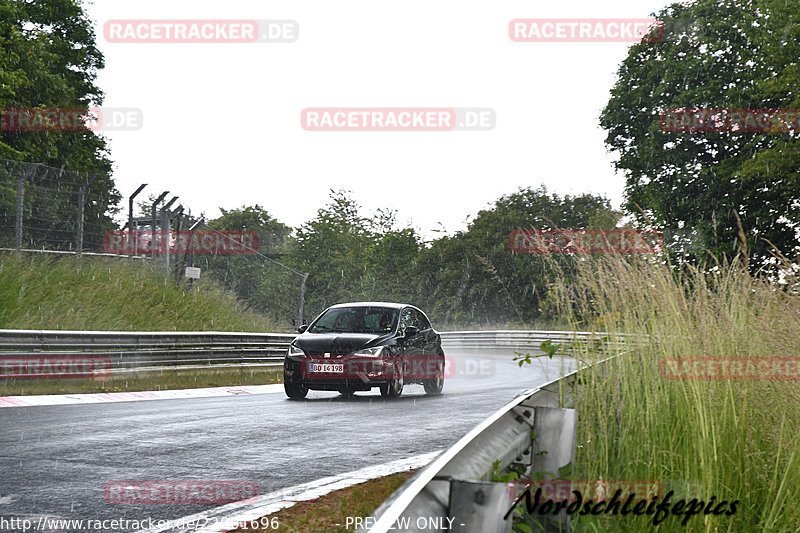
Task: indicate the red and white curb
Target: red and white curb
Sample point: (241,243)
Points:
(233,515)
(111,397)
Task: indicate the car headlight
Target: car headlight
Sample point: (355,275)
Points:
(294,350)
(374,352)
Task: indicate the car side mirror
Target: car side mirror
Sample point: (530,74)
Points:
(411,331)
(302,328)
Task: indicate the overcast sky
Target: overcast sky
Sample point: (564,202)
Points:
(222,121)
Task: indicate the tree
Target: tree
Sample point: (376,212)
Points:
(271,232)
(49,60)
(333,247)
(473,275)
(743,56)
(391,261)
(256,278)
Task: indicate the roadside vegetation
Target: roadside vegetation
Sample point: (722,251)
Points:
(93,293)
(731,439)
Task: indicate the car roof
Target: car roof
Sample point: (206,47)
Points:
(391,305)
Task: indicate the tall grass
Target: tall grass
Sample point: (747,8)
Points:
(735,440)
(93,293)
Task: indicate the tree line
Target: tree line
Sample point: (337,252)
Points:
(733,192)
(470,277)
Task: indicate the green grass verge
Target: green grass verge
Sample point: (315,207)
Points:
(145,381)
(94,293)
(329,513)
(722,438)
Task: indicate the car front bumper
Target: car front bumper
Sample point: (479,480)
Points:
(357,372)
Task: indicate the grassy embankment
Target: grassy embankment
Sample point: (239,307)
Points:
(731,439)
(112,294)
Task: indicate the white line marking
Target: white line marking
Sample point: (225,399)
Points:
(73,399)
(228,517)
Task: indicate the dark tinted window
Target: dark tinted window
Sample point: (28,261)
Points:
(374,320)
(422,322)
(407,318)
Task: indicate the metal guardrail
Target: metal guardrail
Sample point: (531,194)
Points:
(136,351)
(139,351)
(521,339)
(533,432)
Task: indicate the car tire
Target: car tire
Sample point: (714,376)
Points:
(434,386)
(394,388)
(295,391)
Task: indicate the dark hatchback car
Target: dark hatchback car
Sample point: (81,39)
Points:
(357,346)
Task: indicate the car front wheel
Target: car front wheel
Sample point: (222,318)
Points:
(394,388)
(295,391)
(435,385)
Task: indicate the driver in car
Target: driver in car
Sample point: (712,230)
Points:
(386,322)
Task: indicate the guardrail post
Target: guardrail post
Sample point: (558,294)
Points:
(478,507)
(553,449)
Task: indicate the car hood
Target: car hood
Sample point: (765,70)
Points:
(336,343)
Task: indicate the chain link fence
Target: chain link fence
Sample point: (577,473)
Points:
(51,211)
(46,208)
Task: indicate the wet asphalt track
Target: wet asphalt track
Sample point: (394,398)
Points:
(54,461)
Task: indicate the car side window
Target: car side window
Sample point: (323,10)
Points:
(406,319)
(422,322)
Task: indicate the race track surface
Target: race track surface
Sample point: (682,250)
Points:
(56,460)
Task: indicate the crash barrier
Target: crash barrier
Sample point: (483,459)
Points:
(137,351)
(531,435)
(524,340)
(143,351)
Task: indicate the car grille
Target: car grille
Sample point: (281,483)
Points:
(321,355)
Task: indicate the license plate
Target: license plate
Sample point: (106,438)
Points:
(326,368)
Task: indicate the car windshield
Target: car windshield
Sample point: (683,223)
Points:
(373,320)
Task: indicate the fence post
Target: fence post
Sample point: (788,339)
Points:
(20,205)
(134,250)
(166,214)
(81,205)
(189,250)
(301,311)
(155,222)
(178,222)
